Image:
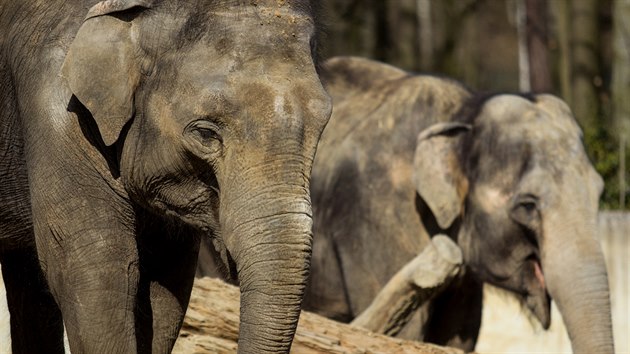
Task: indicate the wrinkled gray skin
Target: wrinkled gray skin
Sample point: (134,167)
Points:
(507,177)
(129,135)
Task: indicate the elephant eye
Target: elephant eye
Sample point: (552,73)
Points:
(528,202)
(207,134)
(528,206)
(525,210)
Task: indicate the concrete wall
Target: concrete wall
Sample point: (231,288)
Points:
(507,327)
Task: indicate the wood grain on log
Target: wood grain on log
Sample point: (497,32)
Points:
(211,326)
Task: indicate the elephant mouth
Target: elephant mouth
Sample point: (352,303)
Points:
(538,299)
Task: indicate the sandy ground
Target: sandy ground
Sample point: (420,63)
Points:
(507,327)
(5,329)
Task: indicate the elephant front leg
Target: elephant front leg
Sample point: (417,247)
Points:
(92,270)
(168,258)
(34,313)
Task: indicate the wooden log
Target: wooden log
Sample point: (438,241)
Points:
(211,326)
(416,283)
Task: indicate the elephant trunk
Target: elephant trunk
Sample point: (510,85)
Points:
(575,274)
(268,234)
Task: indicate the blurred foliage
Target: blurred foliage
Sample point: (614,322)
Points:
(603,150)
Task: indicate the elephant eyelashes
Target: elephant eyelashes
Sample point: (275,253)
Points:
(207,135)
(528,206)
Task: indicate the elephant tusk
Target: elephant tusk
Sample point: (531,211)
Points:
(539,274)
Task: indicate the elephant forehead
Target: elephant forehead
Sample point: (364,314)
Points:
(550,140)
(265,33)
(262,6)
(239,33)
(544,134)
(204,83)
(535,130)
(537,118)
(180,23)
(269,107)
(504,108)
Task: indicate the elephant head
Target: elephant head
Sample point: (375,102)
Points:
(510,175)
(212,111)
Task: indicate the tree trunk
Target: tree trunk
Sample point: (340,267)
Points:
(212,322)
(425,34)
(561,11)
(621,88)
(524,78)
(584,40)
(621,66)
(536,33)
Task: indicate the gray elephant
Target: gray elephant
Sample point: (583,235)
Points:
(130,129)
(405,157)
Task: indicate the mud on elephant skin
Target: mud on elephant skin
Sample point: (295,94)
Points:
(405,157)
(130,130)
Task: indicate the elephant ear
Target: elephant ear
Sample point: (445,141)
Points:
(438,176)
(102,69)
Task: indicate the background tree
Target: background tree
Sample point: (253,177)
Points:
(561,26)
(620,88)
(536,20)
(585,69)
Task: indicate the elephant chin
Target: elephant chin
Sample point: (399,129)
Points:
(540,305)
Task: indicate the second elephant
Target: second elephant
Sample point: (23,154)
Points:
(405,157)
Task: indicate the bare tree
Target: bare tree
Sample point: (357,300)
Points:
(621,86)
(524,78)
(425,34)
(561,18)
(536,38)
(585,68)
